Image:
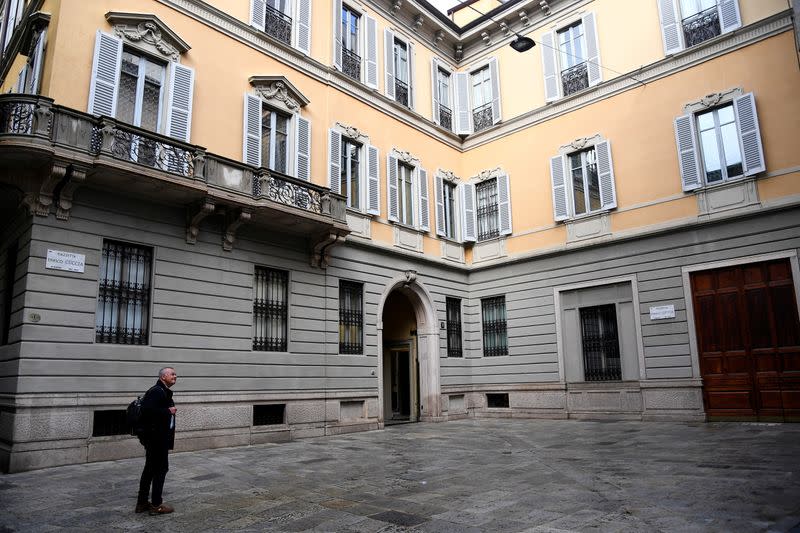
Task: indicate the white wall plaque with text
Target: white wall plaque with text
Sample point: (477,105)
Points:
(662,311)
(71,262)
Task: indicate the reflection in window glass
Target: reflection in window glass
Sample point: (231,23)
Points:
(719,144)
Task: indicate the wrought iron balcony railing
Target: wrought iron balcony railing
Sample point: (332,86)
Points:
(351,64)
(445,117)
(482,117)
(401,92)
(278,25)
(575,78)
(701,26)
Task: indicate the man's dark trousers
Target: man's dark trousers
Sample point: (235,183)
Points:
(156,466)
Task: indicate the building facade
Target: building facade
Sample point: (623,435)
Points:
(333,216)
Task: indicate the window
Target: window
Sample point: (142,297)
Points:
(31,74)
(269,415)
(287,21)
(487,210)
(10,276)
(720,143)
(497,401)
(274,140)
(399,69)
(11,15)
(141,90)
(485,207)
(355,43)
(444,111)
(401,72)
(571,58)
(493,317)
(481,99)
(406,194)
(270,310)
(477,98)
(453,327)
(407,191)
(350,182)
(110,422)
(351,318)
(449,208)
(123,301)
(583,181)
(353,169)
(600,343)
(686,23)
(351,60)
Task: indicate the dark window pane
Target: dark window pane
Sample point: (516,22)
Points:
(270,310)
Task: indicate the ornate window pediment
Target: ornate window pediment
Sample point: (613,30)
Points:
(279,92)
(713,100)
(494,173)
(147,32)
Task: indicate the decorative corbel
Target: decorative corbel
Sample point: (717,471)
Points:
(523,16)
(411,277)
(234,222)
(459,51)
(504,28)
(193,228)
(39,203)
(75,178)
(438,37)
(396,5)
(487,39)
(321,255)
(418,22)
(545,7)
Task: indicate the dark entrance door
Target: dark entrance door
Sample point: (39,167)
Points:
(748,338)
(400,384)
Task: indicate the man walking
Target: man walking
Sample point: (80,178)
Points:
(158,437)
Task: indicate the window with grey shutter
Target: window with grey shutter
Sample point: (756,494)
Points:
(252,130)
(504,204)
(469,223)
(105,75)
(388,62)
(304,26)
(335,161)
(339,23)
(179,117)
(424,207)
(559,183)
(393,198)
(461,83)
(303,147)
(494,78)
(550,67)
(371,77)
(671,31)
(373,181)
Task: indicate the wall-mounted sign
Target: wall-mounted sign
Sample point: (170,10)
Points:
(662,311)
(58,260)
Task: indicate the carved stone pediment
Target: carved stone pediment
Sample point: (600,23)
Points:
(351,132)
(713,100)
(406,157)
(449,175)
(484,175)
(580,143)
(147,31)
(279,91)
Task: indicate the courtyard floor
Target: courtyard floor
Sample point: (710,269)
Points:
(463,476)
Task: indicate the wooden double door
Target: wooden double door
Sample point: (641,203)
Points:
(748,338)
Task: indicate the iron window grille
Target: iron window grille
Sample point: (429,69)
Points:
(482,117)
(270,310)
(495,337)
(401,92)
(269,415)
(445,117)
(351,318)
(701,26)
(351,64)
(454,327)
(111,422)
(123,301)
(575,78)
(278,25)
(487,210)
(601,361)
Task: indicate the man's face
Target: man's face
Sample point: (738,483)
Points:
(170,377)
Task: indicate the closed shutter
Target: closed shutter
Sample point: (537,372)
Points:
(595,73)
(424,205)
(688,159)
(441,230)
(334,161)
(750,134)
(303,144)
(393,198)
(504,204)
(258,13)
(181,89)
(373,183)
(372,53)
(560,198)
(388,47)
(434,91)
(105,75)
(252,130)
(461,103)
(550,66)
(411,80)
(671,32)
(38,61)
(304,26)
(337,34)
(469,219)
(494,78)
(729,16)
(605,175)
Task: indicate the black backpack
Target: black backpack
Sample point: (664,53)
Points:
(134,416)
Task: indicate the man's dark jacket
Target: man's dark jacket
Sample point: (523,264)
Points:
(155,419)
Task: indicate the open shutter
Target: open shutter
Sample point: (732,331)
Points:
(461,103)
(494,78)
(388,48)
(258,13)
(671,32)
(411,80)
(181,88)
(23,74)
(373,183)
(729,16)
(424,204)
(595,73)
(303,144)
(688,156)
(750,134)
(560,199)
(304,26)
(334,161)
(469,220)
(550,67)
(337,34)
(105,75)
(38,61)
(504,204)
(372,53)
(441,230)
(434,92)
(252,130)
(605,175)
(391,186)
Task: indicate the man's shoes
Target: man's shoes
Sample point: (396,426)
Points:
(143,507)
(161,509)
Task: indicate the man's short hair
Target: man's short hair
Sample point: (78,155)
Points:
(164,371)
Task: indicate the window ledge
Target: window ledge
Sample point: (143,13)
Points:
(490,249)
(589,226)
(731,195)
(408,237)
(452,250)
(360,223)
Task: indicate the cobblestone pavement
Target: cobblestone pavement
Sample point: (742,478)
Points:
(464,476)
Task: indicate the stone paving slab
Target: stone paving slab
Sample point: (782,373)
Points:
(457,477)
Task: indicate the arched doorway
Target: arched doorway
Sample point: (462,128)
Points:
(409,363)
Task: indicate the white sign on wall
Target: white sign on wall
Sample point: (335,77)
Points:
(662,311)
(58,260)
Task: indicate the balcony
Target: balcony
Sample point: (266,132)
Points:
(351,64)
(278,25)
(401,92)
(482,117)
(47,151)
(575,79)
(445,117)
(701,27)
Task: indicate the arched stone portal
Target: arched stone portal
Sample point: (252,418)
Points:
(426,347)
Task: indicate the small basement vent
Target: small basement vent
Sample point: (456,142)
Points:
(497,400)
(111,422)
(269,415)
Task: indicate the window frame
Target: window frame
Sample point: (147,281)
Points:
(491,213)
(296,11)
(391,40)
(720,144)
(351,348)
(454,328)
(553,63)
(407,207)
(614,374)
(141,78)
(281,342)
(438,67)
(487,329)
(291,163)
(672,19)
(562,180)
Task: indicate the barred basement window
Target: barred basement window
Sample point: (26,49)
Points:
(112,422)
(351,318)
(269,415)
(496,401)
(270,310)
(600,343)
(123,301)
(495,339)
(453,327)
